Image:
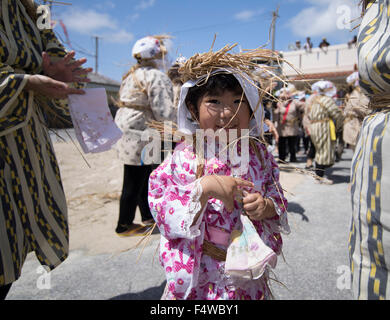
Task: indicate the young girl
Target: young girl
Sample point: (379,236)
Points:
(219,232)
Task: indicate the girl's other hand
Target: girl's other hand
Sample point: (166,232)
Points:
(257,207)
(224,188)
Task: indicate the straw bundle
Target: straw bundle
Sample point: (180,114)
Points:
(31,8)
(244,62)
(380,101)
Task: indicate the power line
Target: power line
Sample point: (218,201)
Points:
(228,23)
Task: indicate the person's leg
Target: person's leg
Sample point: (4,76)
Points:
(143,202)
(292,143)
(311,153)
(297,143)
(320,170)
(306,141)
(128,200)
(4,291)
(282,148)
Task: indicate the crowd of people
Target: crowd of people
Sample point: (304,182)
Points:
(324,44)
(321,121)
(221,228)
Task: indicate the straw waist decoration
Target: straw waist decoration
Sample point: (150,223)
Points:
(216,236)
(291,121)
(319,121)
(133,106)
(379,101)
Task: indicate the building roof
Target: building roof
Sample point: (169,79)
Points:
(98,80)
(323,75)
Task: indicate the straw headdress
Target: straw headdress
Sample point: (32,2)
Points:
(244,63)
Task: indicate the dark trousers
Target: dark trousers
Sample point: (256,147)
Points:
(320,169)
(306,143)
(289,142)
(311,153)
(4,291)
(135,193)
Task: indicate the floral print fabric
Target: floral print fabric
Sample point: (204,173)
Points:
(174,193)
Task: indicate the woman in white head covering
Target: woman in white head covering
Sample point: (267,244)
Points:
(288,115)
(325,119)
(145,95)
(356,109)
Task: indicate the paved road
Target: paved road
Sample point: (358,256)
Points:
(316,256)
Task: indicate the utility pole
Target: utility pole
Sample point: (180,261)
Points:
(273,25)
(96,53)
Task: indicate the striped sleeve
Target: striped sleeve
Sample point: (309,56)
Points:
(13,100)
(56,111)
(334,112)
(374,48)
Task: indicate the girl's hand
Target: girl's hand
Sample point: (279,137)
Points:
(224,188)
(51,88)
(65,70)
(257,207)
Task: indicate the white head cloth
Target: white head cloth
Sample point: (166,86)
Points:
(147,47)
(187,126)
(353,79)
(324,87)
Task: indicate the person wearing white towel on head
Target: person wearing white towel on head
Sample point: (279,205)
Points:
(145,95)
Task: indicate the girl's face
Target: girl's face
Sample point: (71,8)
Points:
(228,110)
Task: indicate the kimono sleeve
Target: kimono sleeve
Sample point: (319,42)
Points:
(334,112)
(174,197)
(14,106)
(160,95)
(274,191)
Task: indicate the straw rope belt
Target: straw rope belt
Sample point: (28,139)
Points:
(292,121)
(379,100)
(132,106)
(349,118)
(213,251)
(319,121)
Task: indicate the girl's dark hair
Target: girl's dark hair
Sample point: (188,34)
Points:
(215,85)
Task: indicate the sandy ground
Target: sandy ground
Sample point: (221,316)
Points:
(93,198)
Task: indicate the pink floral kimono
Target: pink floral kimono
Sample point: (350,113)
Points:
(174,194)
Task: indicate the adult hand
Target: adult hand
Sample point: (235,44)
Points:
(65,70)
(49,87)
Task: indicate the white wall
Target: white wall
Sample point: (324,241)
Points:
(336,58)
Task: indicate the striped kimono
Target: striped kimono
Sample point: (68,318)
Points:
(369,240)
(33,211)
(321,110)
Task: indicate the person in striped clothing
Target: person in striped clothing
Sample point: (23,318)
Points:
(34,72)
(325,118)
(369,239)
